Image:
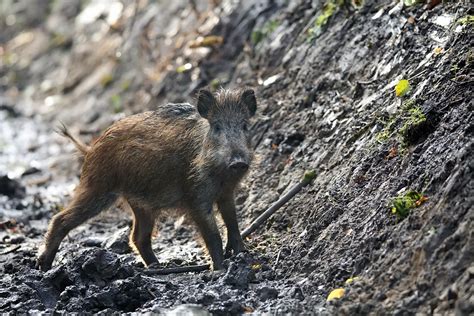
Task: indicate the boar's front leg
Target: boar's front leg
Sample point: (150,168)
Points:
(226,206)
(207,226)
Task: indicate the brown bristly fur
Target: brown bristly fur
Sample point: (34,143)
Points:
(81,147)
(171,158)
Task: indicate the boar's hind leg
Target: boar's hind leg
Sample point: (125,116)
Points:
(140,237)
(210,233)
(84,206)
(234,240)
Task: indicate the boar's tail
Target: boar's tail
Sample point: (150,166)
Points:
(63,131)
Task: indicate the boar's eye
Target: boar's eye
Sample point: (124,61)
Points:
(245,127)
(217,128)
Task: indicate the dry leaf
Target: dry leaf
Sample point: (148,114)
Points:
(392,153)
(335,294)
(438,50)
(211,40)
(421,200)
(256,266)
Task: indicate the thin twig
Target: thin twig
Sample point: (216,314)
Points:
(277,258)
(12,249)
(307,179)
(151,293)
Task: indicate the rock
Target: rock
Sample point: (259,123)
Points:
(100,264)
(266,293)
(58,277)
(118,242)
(238,275)
(11,188)
(188,309)
(16,239)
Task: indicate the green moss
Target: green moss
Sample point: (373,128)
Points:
(387,131)
(124,85)
(214,85)
(116,101)
(405,123)
(412,119)
(466,20)
(416,118)
(106,80)
(329,9)
(383,136)
(408,104)
(259,34)
(184,68)
(309,176)
(454,69)
(402,204)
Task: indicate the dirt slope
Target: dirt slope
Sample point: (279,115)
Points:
(324,74)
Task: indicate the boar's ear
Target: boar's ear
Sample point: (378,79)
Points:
(248,98)
(205,101)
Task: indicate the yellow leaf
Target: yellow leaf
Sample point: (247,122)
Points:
(438,50)
(402,88)
(350,280)
(337,293)
(256,266)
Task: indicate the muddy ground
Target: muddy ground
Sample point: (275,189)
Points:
(325,75)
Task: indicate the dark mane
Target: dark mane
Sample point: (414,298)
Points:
(176,110)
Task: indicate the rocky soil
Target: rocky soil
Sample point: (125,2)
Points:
(325,74)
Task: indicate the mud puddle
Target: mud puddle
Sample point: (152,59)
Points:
(95,270)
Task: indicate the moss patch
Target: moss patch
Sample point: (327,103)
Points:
(329,9)
(403,204)
(387,131)
(466,20)
(259,34)
(116,101)
(415,119)
(408,123)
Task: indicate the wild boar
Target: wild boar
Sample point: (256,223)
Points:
(177,157)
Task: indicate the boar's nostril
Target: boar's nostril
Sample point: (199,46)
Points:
(239,166)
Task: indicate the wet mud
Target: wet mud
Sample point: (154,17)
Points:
(326,103)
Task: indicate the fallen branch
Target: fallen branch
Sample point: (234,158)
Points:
(10,250)
(307,179)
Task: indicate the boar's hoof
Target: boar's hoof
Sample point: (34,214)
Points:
(43,263)
(233,248)
(154,265)
(218,266)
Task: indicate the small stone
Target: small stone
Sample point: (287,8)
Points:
(11,188)
(118,242)
(266,293)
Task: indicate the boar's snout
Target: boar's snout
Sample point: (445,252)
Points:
(238,165)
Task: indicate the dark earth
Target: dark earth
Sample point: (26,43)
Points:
(324,73)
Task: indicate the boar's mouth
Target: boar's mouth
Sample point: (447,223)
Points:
(238,166)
